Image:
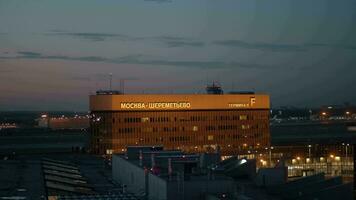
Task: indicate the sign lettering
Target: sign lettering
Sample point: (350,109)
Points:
(155,105)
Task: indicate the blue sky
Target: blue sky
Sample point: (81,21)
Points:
(54,53)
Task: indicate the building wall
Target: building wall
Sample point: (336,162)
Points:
(157,188)
(271,176)
(125,172)
(68,123)
(129,174)
(197,189)
(209,121)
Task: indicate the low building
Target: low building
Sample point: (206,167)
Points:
(158,175)
(63,122)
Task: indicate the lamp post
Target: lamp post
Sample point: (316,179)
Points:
(347,114)
(270,156)
(347,145)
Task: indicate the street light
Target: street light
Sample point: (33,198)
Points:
(322,159)
(347,145)
(348,113)
(270,156)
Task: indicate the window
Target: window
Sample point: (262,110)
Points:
(243,117)
(145,119)
(210,137)
(195,128)
(245,126)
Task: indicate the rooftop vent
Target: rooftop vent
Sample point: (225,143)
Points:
(107,92)
(214,89)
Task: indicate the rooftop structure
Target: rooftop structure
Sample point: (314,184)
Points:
(159,174)
(214,89)
(153,173)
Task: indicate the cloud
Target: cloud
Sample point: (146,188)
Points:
(168,41)
(94,37)
(171,41)
(280,47)
(91,59)
(200,64)
(29,54)
(341,46)
(140,60)
(260,46)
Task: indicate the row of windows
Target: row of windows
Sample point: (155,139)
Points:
(232,127)
(179,139)
(191,128)
(104,149)
(235,136)
(194,138)
(191,119)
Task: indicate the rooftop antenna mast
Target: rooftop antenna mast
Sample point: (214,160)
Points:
(110,88)
(122,86)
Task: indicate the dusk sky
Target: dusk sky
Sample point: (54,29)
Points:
(54,53)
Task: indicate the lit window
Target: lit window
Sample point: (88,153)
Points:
(210,137)
(195,128)
(145,119)
(245,126)
(243,117)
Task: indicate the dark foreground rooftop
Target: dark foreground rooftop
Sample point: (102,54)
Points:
(22,176)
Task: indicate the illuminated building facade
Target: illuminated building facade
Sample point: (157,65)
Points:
(234,123)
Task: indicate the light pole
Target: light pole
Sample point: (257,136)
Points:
(309,153)
(347,145)
(347,114)
(270,156)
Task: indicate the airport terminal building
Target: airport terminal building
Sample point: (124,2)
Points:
(232,123)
